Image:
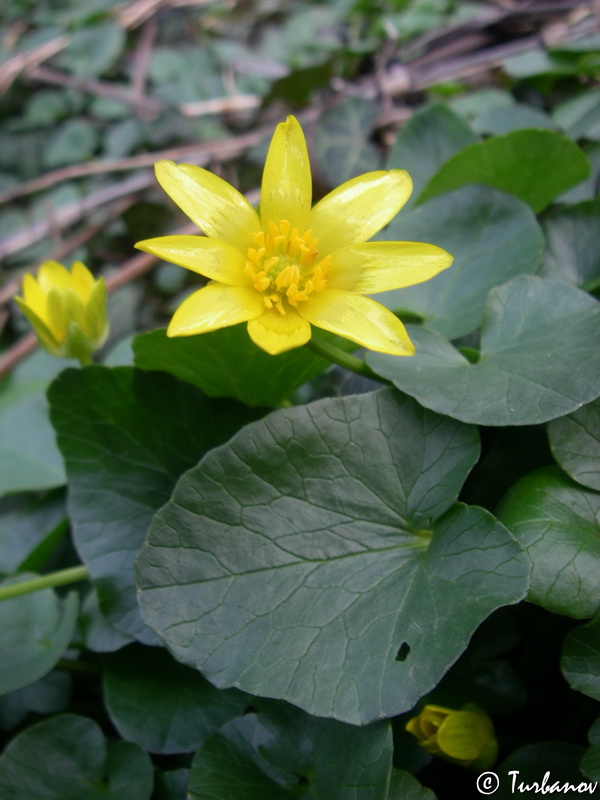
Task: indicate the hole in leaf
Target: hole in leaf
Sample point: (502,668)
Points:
(403,651)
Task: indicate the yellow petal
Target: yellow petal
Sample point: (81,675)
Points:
(42,331)
(34,297)
(82,279)
(276,333)
(359,319)
(359,208)
(215,306)
(286,191)
(216,260)
(209,201)
(464,735)
(52,275)
(380,266)
(56,317)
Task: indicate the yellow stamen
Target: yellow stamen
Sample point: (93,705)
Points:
(285,265)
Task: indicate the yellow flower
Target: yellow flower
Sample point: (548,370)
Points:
(66,309)
(464,737)
(293,266)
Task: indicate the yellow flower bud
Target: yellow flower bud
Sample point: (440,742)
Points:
(66,309)
(464,737)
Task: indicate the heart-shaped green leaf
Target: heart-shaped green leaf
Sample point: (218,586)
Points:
(35,632)
(277,748)
(404,786)
(492,236)
(430,137)
(535,165)
(573,245)
(580,662)
(162,705)
(341,141)
(575,442)
(557,522)
(126,438)
(257,378)
(539,358)
(29,457)
(50,695)
(590,763)
(27,527)
(319,558)
(66,757)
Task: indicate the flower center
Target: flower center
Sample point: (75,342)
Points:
(285,267)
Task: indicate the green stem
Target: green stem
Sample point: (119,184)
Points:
(346,360)
(77,667)
(60,578)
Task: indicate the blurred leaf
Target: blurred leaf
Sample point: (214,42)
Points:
(590,763)
(588,189)
(72,142)
(292,565)
(341,147)
(539,358)
(527,766)
(47,106)
(297,87)
(473,104)
(537,62)
(184,74)
(573,244)
(492,236)
(273,750)
(125,435)
(404,786)
(94,50)
(29,457)
(575,442)
(258,379)
(97,634)
(556,521)
(171,785)
(123,138)
(161,705)
(25,526)
(35,633)
(68,757)
(580,662)
(579,116)
(534,165)
(430,137)
(50,695)
(502,120)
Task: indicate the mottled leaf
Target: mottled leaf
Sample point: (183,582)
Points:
(557,522)
(127,436)
(535,165)
(539,358)
(319,558)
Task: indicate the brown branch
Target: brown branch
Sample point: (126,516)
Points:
(141,57)
(203,153)
(12,286)
(20,62)
(15,354)
(64,216)
(148,105)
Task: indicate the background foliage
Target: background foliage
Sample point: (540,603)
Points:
(287,562)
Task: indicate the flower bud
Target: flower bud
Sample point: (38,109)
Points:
(464,737)
(66,309)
